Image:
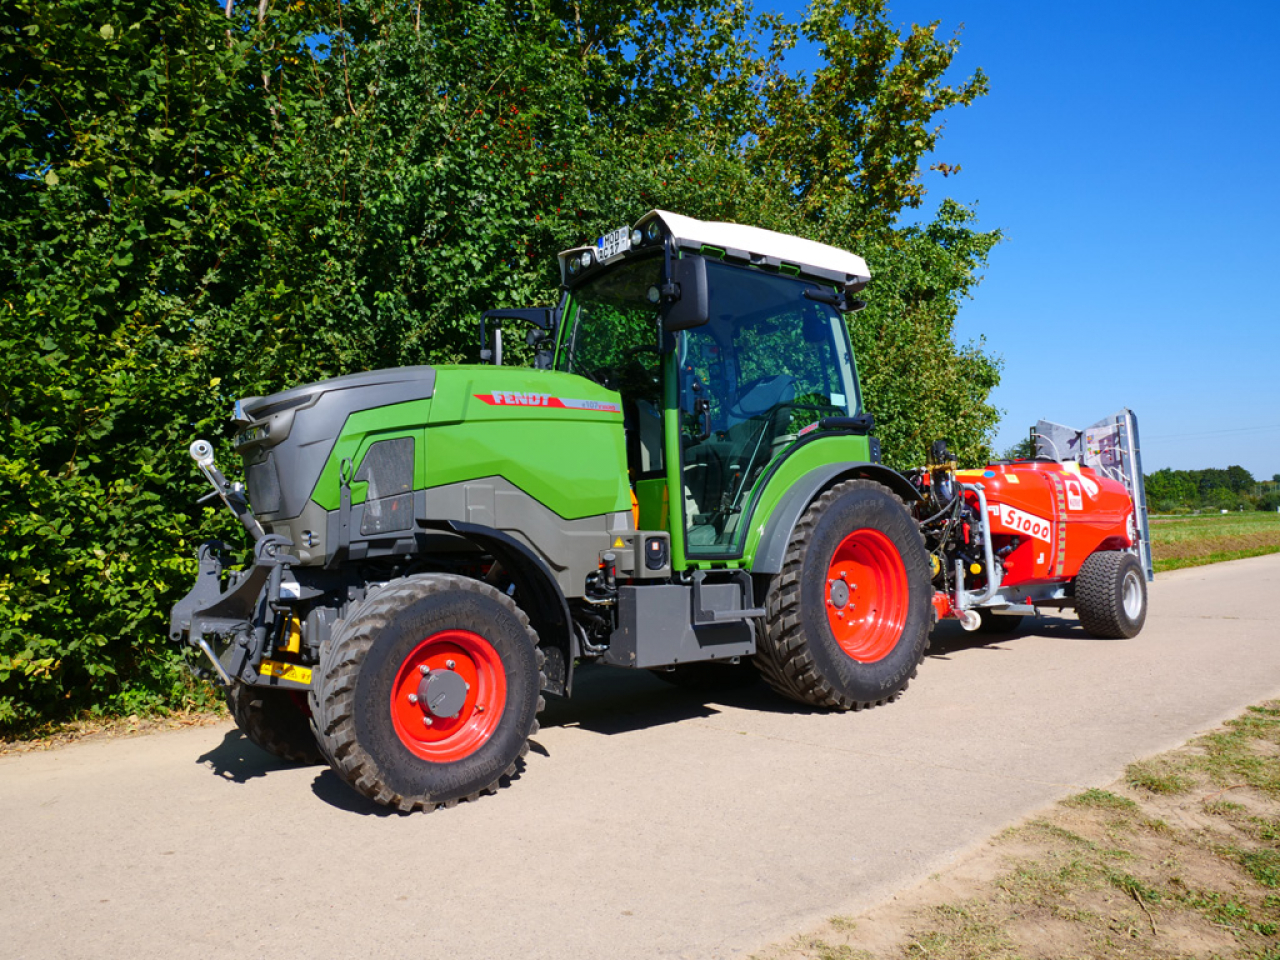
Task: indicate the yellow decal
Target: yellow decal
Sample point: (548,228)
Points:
(285,671)
(618,543)
(1011,477)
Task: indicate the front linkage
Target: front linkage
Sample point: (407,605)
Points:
(241,610)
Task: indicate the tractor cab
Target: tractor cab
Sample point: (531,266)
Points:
(727,345)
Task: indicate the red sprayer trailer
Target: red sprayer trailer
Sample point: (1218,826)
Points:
(1065,529)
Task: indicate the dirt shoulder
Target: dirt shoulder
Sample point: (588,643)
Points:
(90,730)
(1181,858)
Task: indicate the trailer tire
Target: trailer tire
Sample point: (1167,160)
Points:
(275,721)
(428,643)
(1111,595)
(857,645)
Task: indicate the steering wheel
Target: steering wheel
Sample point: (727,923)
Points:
(612,376)
(760,396)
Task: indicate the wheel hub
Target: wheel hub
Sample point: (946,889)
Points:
(442,693)
(839,594)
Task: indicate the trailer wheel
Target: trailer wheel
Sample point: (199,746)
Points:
(275,720)
(428,693)
(1111,595)
(849,615)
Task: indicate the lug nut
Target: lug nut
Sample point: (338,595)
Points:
(450,664)
(424,669)
(479,708)
(413,698)
(427,721)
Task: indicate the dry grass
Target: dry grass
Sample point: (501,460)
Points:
(1181,859)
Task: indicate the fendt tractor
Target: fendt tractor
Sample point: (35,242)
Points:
(685,482)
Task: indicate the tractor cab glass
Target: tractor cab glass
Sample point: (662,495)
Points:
(768,365)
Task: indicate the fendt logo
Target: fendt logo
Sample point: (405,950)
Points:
(508,398)
(511,398)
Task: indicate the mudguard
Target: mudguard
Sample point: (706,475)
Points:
(772,545)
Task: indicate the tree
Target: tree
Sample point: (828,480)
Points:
(195,206)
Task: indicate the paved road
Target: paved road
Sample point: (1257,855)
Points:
(646,823)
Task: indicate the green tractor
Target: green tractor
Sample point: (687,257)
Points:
(684,482)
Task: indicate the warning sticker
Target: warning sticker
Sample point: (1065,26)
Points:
(1020,521)
(512,398)
(285,671)
(1074,499)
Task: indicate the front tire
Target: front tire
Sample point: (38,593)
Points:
(1111,595)
(849,615)
(429,693)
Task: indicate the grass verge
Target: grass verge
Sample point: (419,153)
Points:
(1181,858)
(1212,538)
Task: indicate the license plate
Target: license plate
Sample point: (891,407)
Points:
(612,244)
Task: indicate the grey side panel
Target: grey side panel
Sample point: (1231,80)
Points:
(655,628)
(777,534)
(570,549)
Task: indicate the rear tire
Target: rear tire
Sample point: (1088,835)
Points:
(275,721)
(849,616)
(1111,595)
(429,692)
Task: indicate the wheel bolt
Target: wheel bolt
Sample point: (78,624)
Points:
(450,664)
(413,698)
(479,708)
(427,721)
(424,669)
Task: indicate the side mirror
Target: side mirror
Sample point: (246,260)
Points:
(688,304)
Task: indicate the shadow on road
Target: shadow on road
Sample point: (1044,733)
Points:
(237,760)
(949,637)
(609,701)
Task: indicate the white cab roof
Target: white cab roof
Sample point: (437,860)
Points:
(751,245)
(758,244)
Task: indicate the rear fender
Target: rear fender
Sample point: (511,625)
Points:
(772,546)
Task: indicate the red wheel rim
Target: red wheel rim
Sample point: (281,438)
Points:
(866,595)
(431,673)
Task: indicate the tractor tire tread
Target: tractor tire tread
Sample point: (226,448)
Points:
(270,720)
(783,656)
(340,659)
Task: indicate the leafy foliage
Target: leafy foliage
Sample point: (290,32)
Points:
(1172,491)
(199,204)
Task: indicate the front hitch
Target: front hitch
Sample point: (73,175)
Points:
(241,611)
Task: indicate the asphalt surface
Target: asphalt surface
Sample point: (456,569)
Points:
(647,822)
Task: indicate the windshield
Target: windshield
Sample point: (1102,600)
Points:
(612,318)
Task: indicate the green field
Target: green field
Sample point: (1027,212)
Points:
(1209,538)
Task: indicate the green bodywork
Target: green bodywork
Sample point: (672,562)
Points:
(558,435)
(571,460)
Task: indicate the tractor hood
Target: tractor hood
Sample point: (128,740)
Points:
(290,434)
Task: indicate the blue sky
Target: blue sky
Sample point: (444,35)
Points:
(1130,153)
